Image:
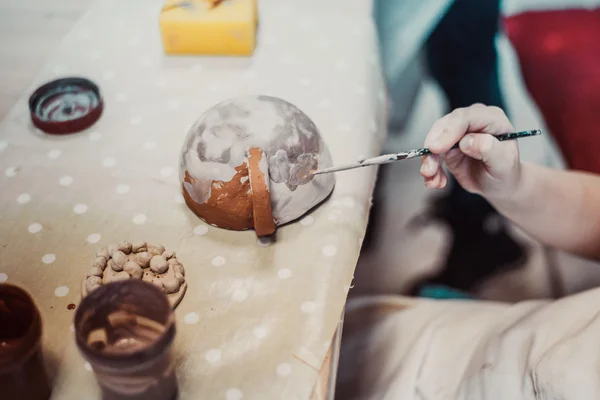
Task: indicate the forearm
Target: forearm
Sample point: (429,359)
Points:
(559,208)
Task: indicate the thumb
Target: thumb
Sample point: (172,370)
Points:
(498,157)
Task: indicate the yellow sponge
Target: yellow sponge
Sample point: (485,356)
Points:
(197,27)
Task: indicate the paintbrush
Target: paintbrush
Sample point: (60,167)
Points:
(406,155)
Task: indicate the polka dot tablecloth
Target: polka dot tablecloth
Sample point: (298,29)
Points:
(259,315)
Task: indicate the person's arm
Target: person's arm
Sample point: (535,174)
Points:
(559,208)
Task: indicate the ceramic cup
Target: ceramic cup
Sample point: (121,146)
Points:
(125,330)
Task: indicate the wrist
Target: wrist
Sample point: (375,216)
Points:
(518,194)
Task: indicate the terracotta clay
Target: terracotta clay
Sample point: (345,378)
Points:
(146,261)
(229,205)
(214,174)
(261,194)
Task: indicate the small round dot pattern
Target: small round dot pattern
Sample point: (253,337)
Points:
(96,218)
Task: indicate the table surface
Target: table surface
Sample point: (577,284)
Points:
(260,324)
(30,31)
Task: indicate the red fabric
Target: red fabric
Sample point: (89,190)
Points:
(559,53)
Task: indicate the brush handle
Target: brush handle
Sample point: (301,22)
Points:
(502,138)
(407,155)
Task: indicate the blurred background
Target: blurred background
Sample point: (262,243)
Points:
(537,59)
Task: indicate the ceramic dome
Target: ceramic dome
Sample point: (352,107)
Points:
(248,160)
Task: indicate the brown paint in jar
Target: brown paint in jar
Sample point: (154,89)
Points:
(22,371)
(125,330)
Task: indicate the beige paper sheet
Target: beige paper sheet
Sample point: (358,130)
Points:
(258,317)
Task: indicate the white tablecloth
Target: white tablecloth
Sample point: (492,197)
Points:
(257,318)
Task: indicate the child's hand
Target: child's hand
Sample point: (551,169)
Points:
(483,164)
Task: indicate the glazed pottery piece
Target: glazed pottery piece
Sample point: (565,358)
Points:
(246,164)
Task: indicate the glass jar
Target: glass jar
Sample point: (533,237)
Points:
(22,371)
(125,330)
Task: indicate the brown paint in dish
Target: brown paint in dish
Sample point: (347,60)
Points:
(229,205)
(125,330)
(261,196)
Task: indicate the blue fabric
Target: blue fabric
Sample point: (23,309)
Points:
(443,292)
(403,26)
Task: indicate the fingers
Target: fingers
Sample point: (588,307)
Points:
(497,156)
(437,181)
(432,171)
(448,130)
(439,132)
(429,166)
(453,159)
(473,127)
